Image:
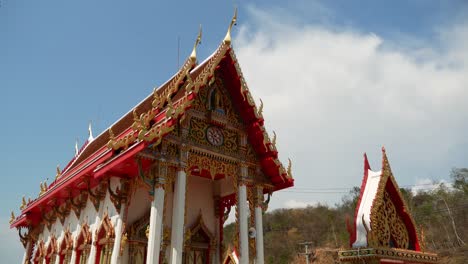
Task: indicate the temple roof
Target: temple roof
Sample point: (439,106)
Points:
(154,117)
(382,218)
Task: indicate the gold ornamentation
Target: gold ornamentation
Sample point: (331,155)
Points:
(123,243)
(273,142)
(58,173)
(105,230)
(142,127)
(213,166)
(289,168)
(23,203)
(43,187)
(193,55)
(12,217)
(121,193)
(227,38)
(78,205)
(387,227)
(197,134)
(98,195)
(260,109)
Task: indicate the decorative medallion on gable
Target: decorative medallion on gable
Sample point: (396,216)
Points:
(213,137)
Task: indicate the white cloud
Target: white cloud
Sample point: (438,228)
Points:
(332,94)
(428,185)
(298,204)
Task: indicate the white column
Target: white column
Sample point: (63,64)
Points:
(74,234)
(27,252)
(178,208)
(243,225)
(118,235)
(92,251)
(156,222)
(259,230)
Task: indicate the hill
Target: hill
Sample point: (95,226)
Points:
(441,215)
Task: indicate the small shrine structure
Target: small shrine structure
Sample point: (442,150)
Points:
(384,230)
(158,184)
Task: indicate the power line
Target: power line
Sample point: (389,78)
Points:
(347,189)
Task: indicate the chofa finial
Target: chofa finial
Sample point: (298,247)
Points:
(227,39)
(58,172)
(12,217)
(90,133)
(193,56)
(76,148)
(23,203)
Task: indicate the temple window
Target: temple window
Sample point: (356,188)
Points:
(40,252)
(83,245)
(105,241)
(51,252)
(65,248)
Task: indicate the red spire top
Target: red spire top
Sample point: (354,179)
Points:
(366,163)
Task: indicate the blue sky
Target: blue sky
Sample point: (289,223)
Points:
(65,63)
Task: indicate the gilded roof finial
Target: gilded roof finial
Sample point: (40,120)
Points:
(135,115)
(111,134)
(193,56)
(43,187)
(289,167)
(23,203)
(90,133)
(58,172)
(227,38)
(12,218)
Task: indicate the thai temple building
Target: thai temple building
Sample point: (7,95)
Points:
(158,184)
(384,230)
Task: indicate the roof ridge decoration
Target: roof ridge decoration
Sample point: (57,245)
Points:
(143,126)
(391,224)
(227,38)
(167,106)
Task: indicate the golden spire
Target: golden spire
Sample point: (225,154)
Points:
(289,167)
(58,172)
(12,218)
(193,56)
(23,203)
(227,38)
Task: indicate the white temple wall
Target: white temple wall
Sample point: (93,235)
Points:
(226,186)
(139,205)
(200,198)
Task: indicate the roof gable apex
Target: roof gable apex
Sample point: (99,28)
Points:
(382,218)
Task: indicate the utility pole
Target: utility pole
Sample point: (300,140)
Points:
(307,253)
